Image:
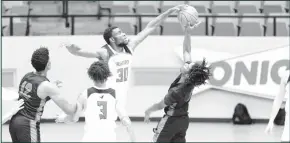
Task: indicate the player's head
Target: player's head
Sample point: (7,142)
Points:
(99,72)
(114,35)
(196,73)
(40,59)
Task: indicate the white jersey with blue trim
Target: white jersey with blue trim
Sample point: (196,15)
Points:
(100,115)
(100,106)
(120,67)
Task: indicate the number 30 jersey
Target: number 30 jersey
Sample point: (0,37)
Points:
(100,106)
(120,67)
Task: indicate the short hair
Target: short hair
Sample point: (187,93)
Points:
(108,33)
(99,71)
(198,74)
(40,58)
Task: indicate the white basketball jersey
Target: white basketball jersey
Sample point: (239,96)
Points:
(120,67)
(100,107)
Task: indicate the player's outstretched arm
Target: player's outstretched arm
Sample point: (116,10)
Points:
(153,108)
(156,107)
(48,89)
(169,99)
(64,118)
(125,120)
(277,104)
(99,53)
(15,109)
(187,45)
(151,26)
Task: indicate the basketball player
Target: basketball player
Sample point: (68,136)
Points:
(35,90)
(13,111)
(119,49)
(100,107)
(284,88)
(175,122)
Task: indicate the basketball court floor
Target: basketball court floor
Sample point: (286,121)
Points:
(197,132)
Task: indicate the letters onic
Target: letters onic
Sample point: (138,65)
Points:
(250,74)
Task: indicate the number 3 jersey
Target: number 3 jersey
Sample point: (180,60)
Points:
(100,107)
(33,105)
(120,67)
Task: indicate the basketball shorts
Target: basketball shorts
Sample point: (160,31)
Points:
(100,133)
(171,129)
(23,129)
(285,134)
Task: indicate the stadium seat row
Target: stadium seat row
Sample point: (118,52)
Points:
(201,6)
(216,27)
(146,7)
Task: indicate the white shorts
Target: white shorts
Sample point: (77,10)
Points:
(100,136)
(104,132)
(285,135)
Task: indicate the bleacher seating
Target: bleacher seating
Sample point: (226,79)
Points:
(130,25)
(225,26)
(252,26)
(82,7)
(282,27)
(148,7)
(145,21)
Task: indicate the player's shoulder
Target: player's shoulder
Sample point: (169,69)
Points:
(27,75)
(112,92)
(34,78)
(102,52)
(102,48)
(94,90)
(47,87)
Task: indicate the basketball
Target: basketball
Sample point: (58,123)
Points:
(188,15)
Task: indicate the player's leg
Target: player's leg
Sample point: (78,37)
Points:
(25,130)
(100,137)
(179,137)
(285,134)
(102,133)
(38,132)
(29,133)
(108,133)
(12,130)
(166,129)
(183,126)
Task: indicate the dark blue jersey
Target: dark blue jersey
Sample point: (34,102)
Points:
(33,105)
(177,98)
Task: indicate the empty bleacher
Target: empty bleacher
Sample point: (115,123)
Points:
(216,26)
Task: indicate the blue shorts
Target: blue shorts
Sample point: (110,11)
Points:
(23,129)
